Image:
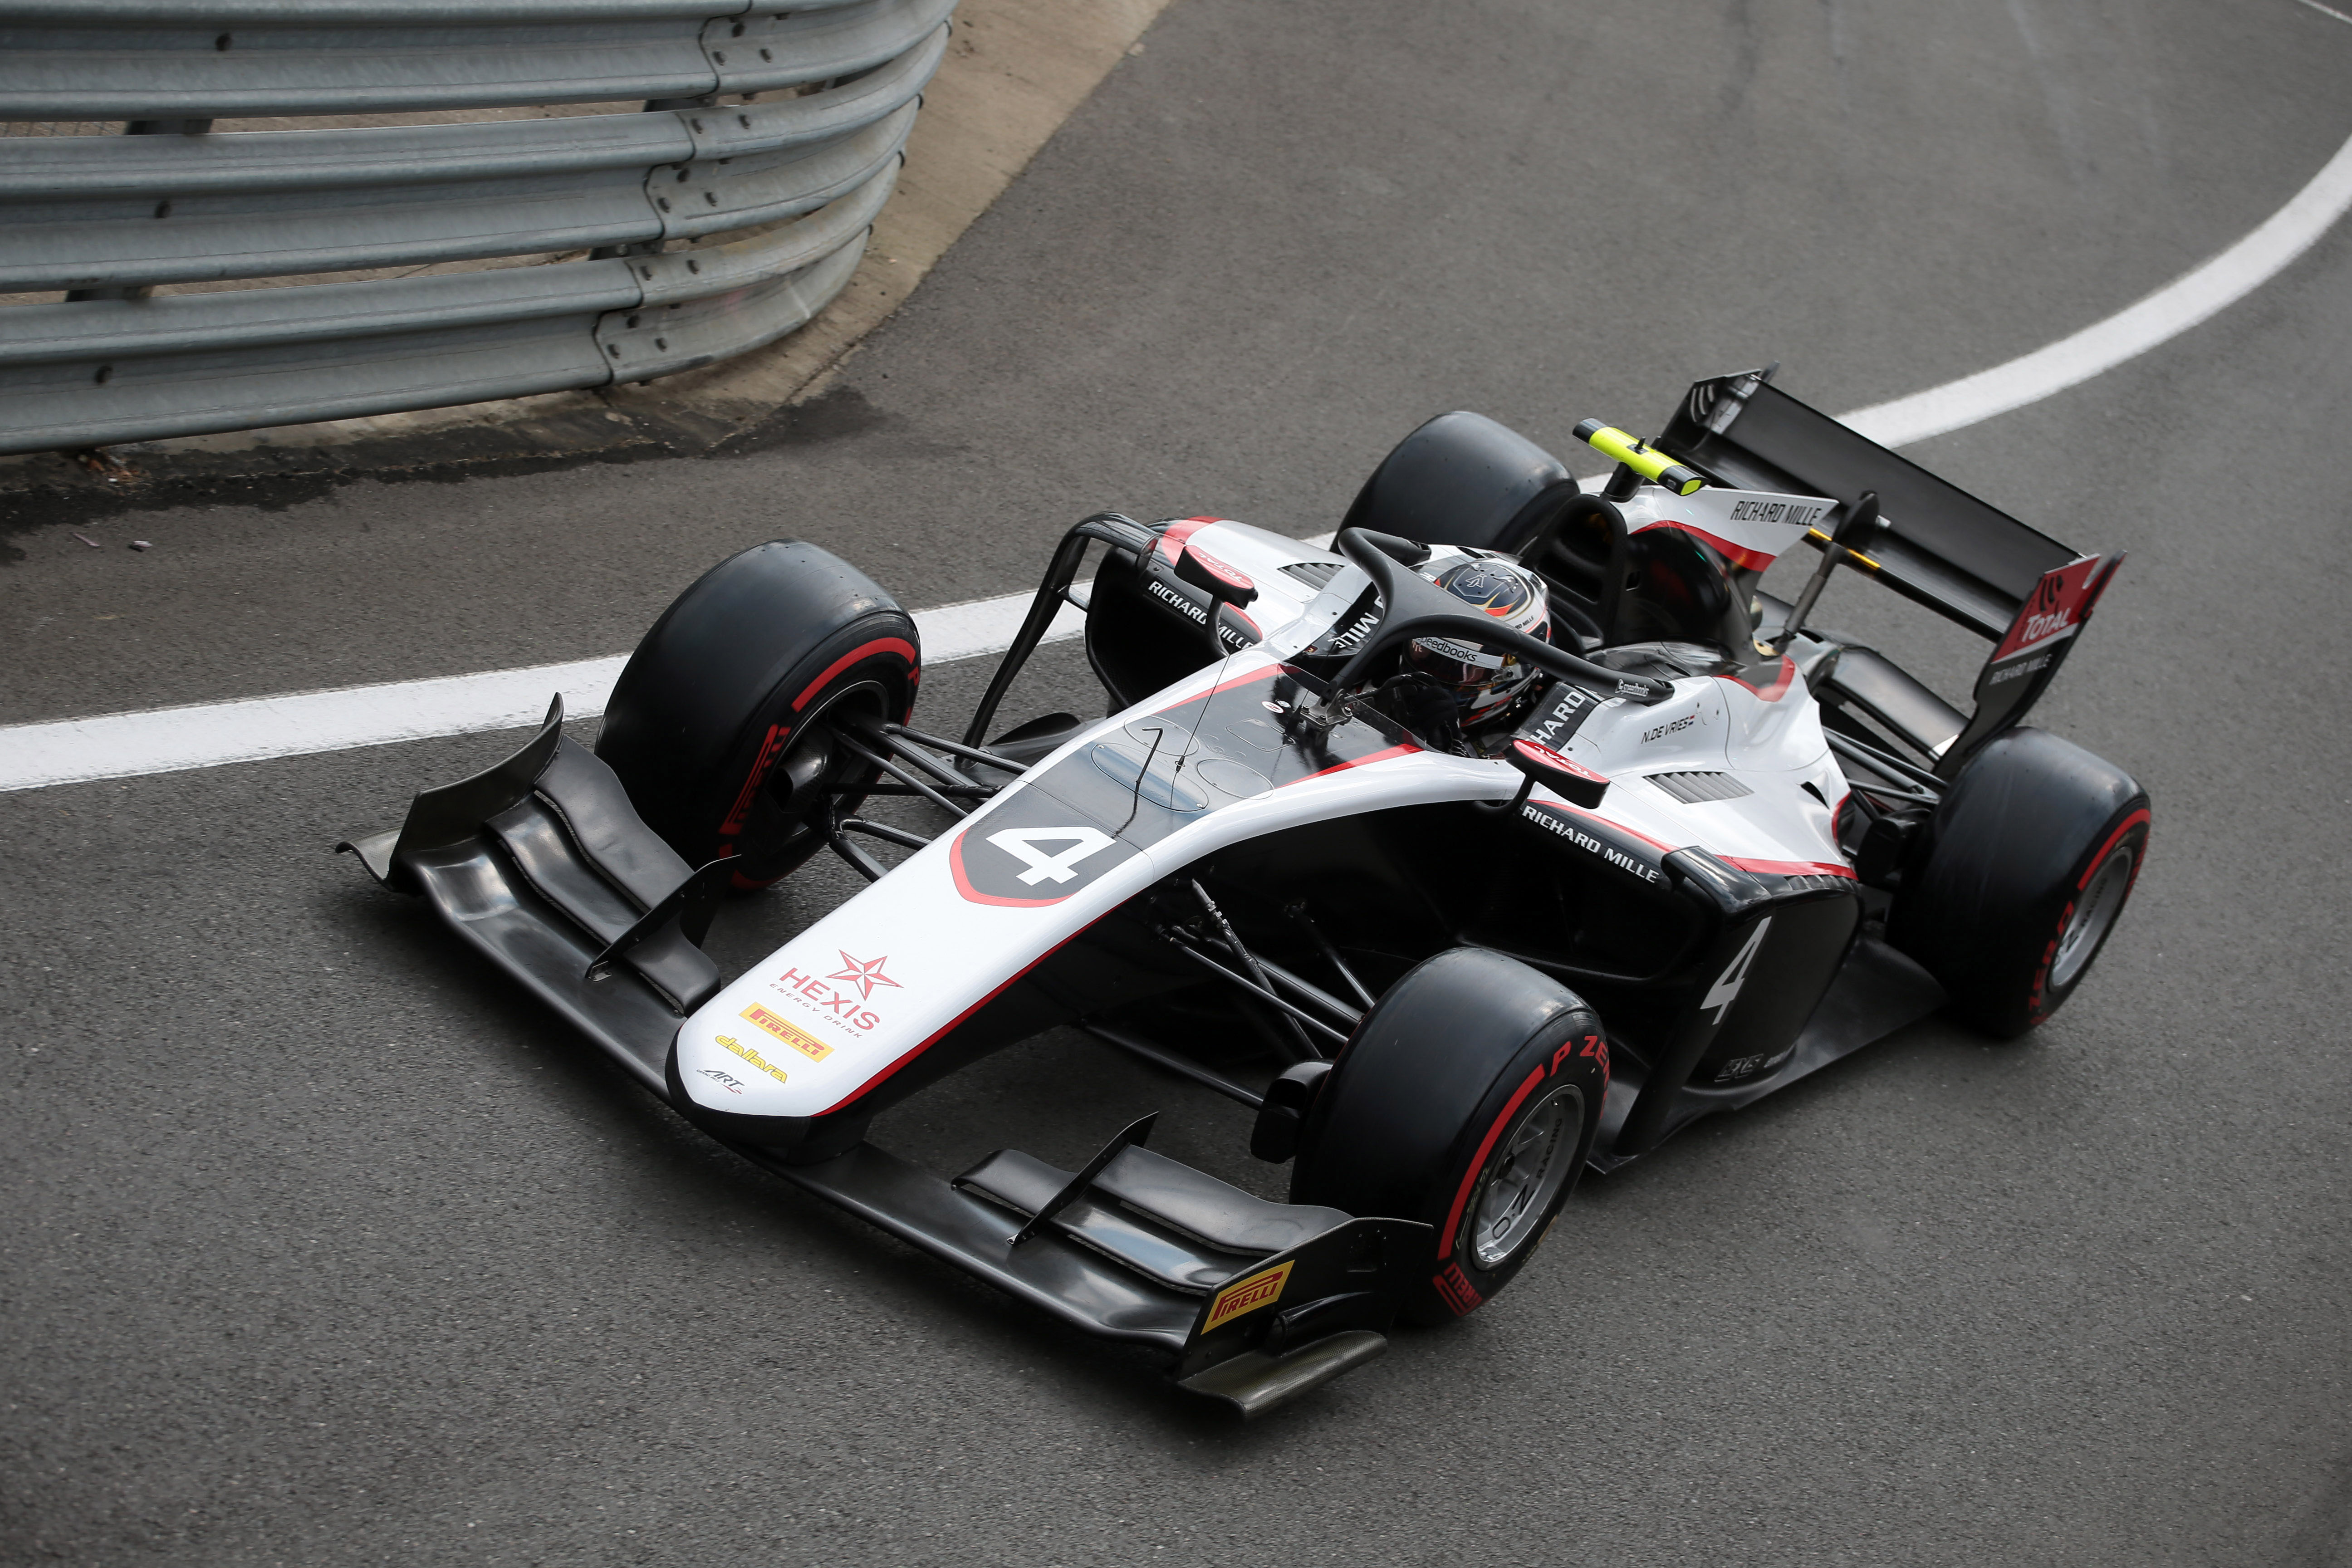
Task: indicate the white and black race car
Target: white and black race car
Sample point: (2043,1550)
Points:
(1515,831)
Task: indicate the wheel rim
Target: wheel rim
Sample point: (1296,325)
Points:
(1526,1173)
(2095,913)
(800,787)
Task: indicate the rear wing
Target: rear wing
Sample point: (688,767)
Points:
(1968,561)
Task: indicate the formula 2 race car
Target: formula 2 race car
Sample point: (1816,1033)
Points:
(1517,830)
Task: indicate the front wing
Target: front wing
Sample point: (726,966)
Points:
(540,866)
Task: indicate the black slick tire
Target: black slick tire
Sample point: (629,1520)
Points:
(2025,869)
(719,726)
(1467,1099)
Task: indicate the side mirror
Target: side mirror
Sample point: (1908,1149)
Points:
(1218,579)
(1221,583)
(1571,780)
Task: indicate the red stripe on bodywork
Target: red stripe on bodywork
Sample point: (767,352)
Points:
(1537,752)
(1789,867)
(898,646)
(1381,756)
(1737,554)
(963,885)
(1614,827)
(1486,1147)
(1172,544)
(1785,678)
(1767,867)
(1268,673)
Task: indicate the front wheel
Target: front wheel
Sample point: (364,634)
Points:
(726,727)
(1467,1099)
(2029,860)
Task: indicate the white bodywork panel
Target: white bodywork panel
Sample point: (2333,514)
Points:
(1748,528)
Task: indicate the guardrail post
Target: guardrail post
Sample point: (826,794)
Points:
(143,128)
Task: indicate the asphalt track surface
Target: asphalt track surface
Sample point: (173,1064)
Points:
(327,1246)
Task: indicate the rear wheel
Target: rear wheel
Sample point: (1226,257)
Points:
(1466,1100)
(726,725)
(2029,861)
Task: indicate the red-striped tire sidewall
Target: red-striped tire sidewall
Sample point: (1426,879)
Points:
(875,651)
(2014,842)
(1456,1286)
(731,674)
(2130,833)
(1429,1087)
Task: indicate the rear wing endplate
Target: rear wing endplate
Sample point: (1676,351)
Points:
(1968,561)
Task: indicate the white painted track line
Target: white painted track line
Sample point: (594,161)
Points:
(2167,313)
(208,734)
(169,740)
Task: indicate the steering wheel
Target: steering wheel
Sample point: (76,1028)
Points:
(1417,607)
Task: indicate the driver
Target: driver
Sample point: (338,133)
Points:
(1483,683)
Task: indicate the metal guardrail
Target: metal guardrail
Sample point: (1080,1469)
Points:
(711,228)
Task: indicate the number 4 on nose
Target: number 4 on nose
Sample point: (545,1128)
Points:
(1021,843)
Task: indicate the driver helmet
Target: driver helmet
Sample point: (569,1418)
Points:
(1484,681)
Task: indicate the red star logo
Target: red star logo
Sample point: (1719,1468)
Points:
(866,972)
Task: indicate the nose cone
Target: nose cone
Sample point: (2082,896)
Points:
(731,1088)
(722,1070)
